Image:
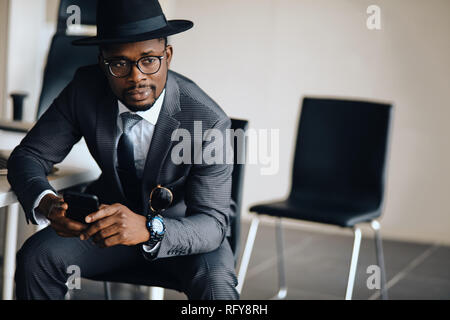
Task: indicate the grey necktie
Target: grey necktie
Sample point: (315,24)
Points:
(125,150)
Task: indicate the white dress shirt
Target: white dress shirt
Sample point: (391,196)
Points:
(141,134)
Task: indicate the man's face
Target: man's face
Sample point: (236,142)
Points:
(138,91)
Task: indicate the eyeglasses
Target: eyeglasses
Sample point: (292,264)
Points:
(160,199)
(121,67)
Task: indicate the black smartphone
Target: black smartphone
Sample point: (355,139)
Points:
(80,205)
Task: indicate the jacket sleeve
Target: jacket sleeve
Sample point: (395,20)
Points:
(207,198)
(48,142)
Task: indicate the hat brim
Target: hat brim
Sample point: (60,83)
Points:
(173,27)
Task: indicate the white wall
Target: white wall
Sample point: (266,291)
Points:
(323,47)
(3,51)
(29,36)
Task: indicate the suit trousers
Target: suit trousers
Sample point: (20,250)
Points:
(44,259)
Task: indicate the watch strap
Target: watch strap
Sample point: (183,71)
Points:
(154,237)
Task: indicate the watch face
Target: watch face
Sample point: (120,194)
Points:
(157,226)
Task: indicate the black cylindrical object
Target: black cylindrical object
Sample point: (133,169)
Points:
(18,98)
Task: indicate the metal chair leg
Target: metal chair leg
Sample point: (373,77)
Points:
(107,290)
(247,252)
(9,247)
(353,263)
(375,225)
(282,287)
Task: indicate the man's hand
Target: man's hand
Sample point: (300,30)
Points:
(54,208)
(116,224)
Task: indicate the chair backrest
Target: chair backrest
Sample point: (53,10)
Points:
(88,13)
(341,150)
(237,185)
(62,62)
(63,58)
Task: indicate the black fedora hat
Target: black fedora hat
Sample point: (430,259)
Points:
(123,21)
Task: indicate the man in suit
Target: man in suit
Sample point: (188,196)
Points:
(127,108)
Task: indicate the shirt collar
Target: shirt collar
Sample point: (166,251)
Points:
(150,115)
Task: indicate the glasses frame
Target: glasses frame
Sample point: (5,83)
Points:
(151,194)
(107,63)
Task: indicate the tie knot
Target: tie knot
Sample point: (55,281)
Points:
(129,120)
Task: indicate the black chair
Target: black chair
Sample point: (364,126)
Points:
(338,177)
(64,58)
(239,147)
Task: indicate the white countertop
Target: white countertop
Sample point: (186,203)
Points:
(78,167)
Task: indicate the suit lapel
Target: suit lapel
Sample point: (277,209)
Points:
(106,134)
(161,140)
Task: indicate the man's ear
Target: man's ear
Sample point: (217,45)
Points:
(169,53)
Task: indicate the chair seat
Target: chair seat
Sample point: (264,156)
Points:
(326,210)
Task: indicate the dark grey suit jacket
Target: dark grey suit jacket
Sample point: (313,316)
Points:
(199,219)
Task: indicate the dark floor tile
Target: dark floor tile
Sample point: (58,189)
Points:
(437,265)
(317,264)
(265,286)
(296,294)
(415,287)
(265,245)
